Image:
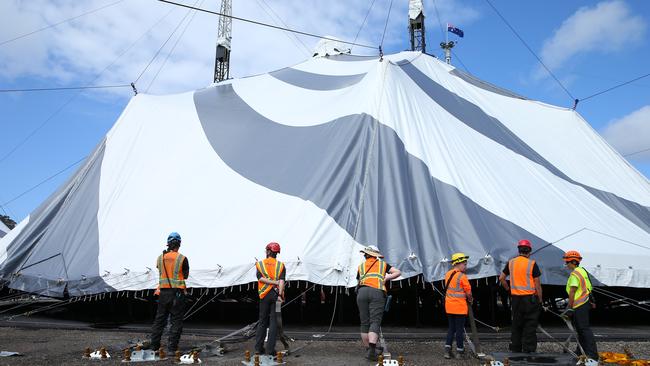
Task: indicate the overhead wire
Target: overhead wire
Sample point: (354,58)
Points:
(73,97)
(44,181)
(163,45)
(363,23)
(637,152)
(614,87)
(64,88)
(267,25)
(442,29)
(531,50)
(295,37)
(383,34)
(59,23)
(173,47)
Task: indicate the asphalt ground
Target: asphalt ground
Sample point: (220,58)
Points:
(44,341)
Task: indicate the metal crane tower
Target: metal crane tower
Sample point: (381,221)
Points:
(416,26)
(224,36)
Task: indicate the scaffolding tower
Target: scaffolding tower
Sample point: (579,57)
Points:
(224,37)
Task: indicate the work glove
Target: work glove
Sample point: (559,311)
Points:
(568,313)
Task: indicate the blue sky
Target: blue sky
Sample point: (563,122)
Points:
(589,46)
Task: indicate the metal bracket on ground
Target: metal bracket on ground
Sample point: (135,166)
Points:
(264,360)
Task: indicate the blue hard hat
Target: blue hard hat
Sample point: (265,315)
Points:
(174,237)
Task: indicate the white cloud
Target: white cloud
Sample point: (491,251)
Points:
(630,134)
(607,27)
(74,52)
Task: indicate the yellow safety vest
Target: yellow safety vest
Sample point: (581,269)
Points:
(581,296)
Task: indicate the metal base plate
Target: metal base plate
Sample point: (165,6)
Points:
(265,360)
(534,359)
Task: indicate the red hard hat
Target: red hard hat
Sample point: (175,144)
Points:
(273,246)
(524,243)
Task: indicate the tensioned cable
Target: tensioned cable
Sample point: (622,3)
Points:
(187,25)
(636,152)
(45,180)
(621,298)
(267,25)
(285,24)
(390,7)
(461,61)
(163,45)
(72,98)
(363,23)
(615,87)
(59,23)
(531,51)
(65,88)
(442,29)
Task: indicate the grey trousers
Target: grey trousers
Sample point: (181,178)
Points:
(371,302)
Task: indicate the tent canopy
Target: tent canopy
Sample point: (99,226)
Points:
(328,156)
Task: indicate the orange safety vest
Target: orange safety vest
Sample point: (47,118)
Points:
(270,268)
(170,266)
(373,274)
(521,276)
(455,298)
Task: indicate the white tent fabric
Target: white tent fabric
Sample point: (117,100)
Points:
(327,156)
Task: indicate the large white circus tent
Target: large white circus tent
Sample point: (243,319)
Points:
(324,157)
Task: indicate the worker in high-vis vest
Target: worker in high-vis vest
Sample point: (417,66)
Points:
(271,275)
(579,288)
(174,270)
(373,273)
(458,294)
(525,298)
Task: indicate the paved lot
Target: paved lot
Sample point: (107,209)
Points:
(65,347)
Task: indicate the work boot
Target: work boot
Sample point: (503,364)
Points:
(371,355)
(447,352)
(460,353)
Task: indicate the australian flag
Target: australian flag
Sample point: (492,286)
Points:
(454,30)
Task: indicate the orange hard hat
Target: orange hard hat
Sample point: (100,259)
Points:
(572,255)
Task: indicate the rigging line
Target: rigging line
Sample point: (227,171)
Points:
(636,152)
(189,311)
(615,87)
(288,34)
(626,302)
(461,62)
(45,180)
(267,25)
(173,47)
(64,88)
(618,238)
(562,238)
(620,297)
(531,51)
(73,97)
(59,23)
(442,29)
(285,24)
(164,44)
(390,7)
(363,23)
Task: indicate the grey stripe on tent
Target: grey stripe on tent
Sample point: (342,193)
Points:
(308,80)
(397,206)
(484,85)
(60,245)
(474,117)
